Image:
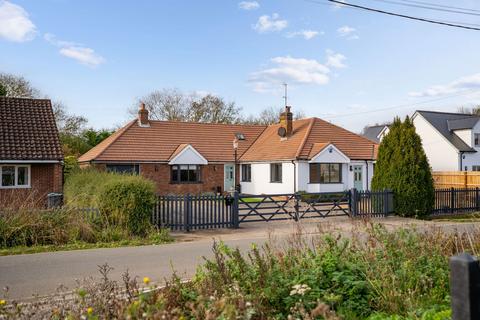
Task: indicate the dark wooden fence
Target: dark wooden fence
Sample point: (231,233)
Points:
(190,212)
(452,200)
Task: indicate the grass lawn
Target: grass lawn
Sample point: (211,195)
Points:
(251,200)
(83,245)
(467,217)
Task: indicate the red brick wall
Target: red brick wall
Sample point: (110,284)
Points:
(212,177)
(45,178)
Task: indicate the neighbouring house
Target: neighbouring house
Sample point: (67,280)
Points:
(451,140)
(183,157)
(376,133)
(31,157)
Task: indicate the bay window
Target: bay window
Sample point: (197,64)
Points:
(14,176)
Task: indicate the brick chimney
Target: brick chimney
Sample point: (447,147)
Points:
(143,116)
(286,120)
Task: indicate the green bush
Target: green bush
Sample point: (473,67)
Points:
(402,166)
(128,202)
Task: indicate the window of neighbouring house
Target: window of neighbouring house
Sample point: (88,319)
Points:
(475,168)
(246,172)
(276,172)
(185,173)
(476,138)
(124,168)
(15,176)
(325,173)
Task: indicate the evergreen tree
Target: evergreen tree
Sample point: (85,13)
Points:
(3,91)
(402,166)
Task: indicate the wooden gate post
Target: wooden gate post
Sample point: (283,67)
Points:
(234,208)
(186,212)
(465,287)
(352,203)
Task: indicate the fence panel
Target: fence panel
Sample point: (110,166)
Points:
(371,203)
(452,200)
(456,179)
(189,212)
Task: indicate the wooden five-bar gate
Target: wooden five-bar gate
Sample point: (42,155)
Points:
(191,212)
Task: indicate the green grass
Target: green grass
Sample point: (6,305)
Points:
(251,200)
(467,217)
(81,246)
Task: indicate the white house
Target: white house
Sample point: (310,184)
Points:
(309,155)
(376,133)
(451,140)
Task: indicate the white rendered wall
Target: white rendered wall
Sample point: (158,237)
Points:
(441,154)
(472,159)
(260,182)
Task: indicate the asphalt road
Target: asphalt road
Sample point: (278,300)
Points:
(41,274)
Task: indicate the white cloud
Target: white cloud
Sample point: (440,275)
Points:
(76,51)
(335,60)
(339,5)
(306,34)
(289,70)
(268,23)
(345,31)
(249,5)
(15,24)
(457,86)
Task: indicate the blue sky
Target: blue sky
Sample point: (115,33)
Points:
(341,64)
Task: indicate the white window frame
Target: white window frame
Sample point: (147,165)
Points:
(16,186)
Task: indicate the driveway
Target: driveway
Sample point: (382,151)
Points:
(42,273)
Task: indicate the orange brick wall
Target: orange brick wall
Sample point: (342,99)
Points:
(45,178)
(212,176)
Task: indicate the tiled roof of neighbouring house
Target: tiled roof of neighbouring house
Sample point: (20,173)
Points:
(28,130)
(307,135)
(445,123)
(373,132)
(162,139)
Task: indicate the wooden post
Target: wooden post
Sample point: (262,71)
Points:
(353,202)
(234,209)
(452,199)
(465,287)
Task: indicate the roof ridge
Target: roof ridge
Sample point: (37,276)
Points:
(24,98)
(211,123)
(305,137)
(455,113)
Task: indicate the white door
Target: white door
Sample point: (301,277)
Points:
(229,174)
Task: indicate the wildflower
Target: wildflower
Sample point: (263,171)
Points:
(2,302)
(89,310)
(248,304)
(146,280)
(299,289)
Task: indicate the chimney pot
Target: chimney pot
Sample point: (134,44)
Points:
(143,116)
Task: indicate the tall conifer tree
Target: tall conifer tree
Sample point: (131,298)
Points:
(402,166)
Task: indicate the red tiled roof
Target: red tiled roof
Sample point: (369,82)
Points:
(163,138)
(28,130)
(309,135)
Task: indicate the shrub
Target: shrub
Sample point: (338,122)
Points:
(402,166)
(129,202)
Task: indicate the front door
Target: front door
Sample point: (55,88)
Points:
(229,181)
(358,177)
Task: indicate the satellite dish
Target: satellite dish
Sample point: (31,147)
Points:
(282,132)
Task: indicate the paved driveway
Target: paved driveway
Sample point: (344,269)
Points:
(42,273)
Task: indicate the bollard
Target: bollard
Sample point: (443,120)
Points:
(465,287)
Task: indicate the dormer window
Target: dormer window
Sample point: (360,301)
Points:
(476,139)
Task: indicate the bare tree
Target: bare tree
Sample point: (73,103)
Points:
(471,111)
(213,109)
(271,116)
(17,86)
(174,105)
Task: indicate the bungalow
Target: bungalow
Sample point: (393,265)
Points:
(30,152)
(183,157)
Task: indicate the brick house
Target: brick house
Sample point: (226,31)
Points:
(31,157)
(185,157)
